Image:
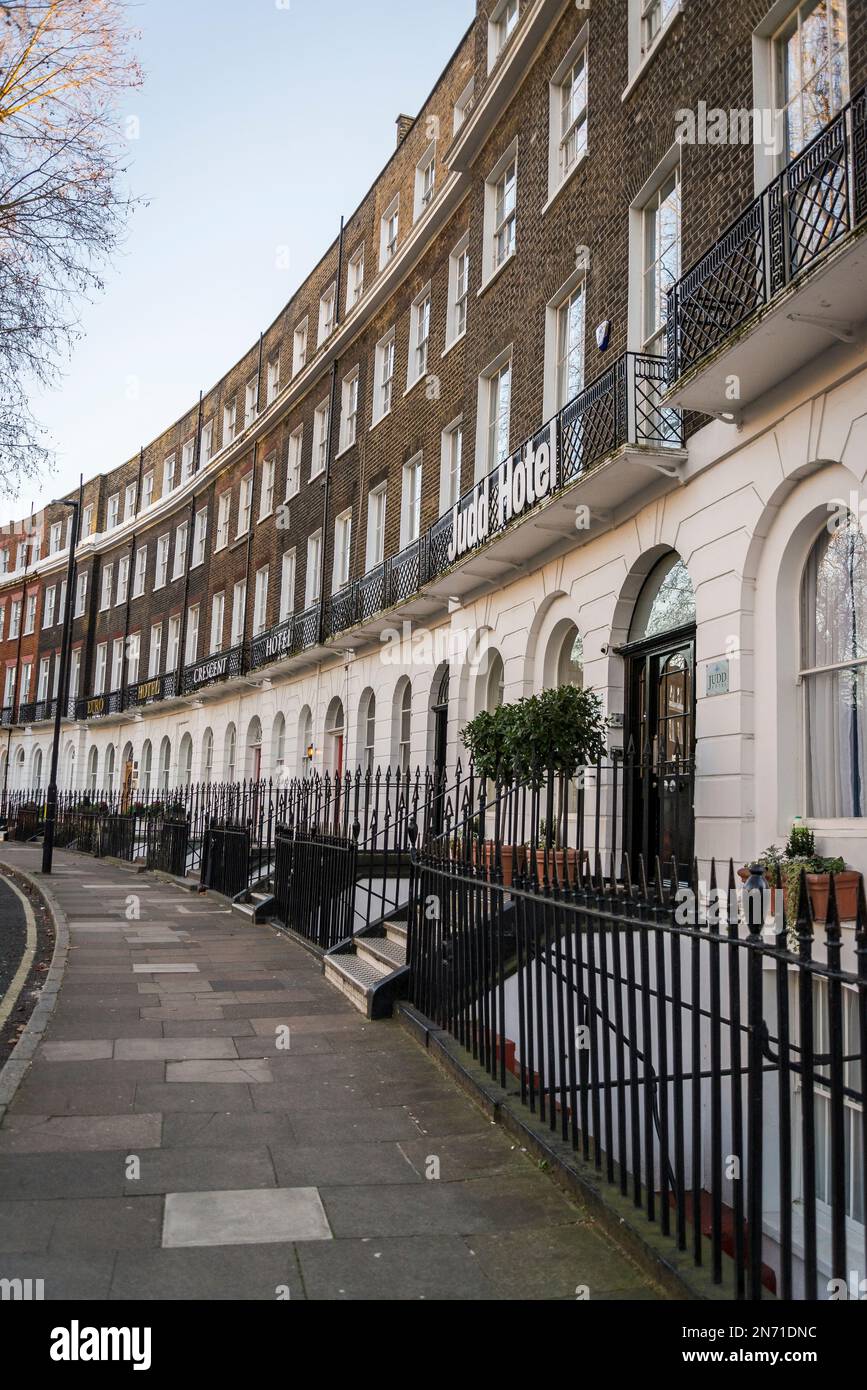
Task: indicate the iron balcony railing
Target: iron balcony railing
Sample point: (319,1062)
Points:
(621,406)
(818,199)
(7,717)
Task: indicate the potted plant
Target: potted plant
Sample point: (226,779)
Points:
(552,858)
(800,854)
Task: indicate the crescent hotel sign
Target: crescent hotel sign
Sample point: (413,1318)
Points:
(520,483)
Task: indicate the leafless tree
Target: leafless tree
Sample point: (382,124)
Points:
(63,67)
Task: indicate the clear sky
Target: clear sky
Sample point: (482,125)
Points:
(261,122)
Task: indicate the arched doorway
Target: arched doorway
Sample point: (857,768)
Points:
(253,761)
(660,718)
(440,716)
(185,761)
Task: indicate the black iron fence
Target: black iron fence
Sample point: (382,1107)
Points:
(701,1045)
(819,198)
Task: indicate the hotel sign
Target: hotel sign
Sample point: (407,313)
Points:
(149,690)
(278,644)
(210,670)
(96,707)
(519,484)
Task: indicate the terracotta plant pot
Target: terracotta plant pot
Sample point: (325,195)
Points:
(846,887)
(489,860)
(557,864)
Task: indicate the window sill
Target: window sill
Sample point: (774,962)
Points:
(496,273)
(652,51)
(564,183)
(453,344)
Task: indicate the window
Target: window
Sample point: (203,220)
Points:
(851,1158)
(174,643)
(187,460)
(501,213)
(419,337)
(342,550)
(368,732)
(231,746)
(4,560)
(218,615)
(9,692)
(75,672)
(459,289)
(180,563)
(349,412)
(206,444)
(54,536)
(148,489)
(24,692)
(156,651)
(314,569)
(251,401)
(564,347)
(299,347)
(834,672)
(122,579)
(568,120)
(239,611)
(2,620)
(390,230)
(105,592)
(48,610)
(452,457)
(113,512)
(224,507)
(200,537)
(376,504)
(260,602)
(320,440)
(273,384)
(161,573)
(133,654)
(116,663)
(425,180)
(812,71)
(410,511)
(501,27)
(15,618)
(661,265)
(61,607)
(44,676)
(266,494)
(293,464)
(245,504)
(192,639)
(404,735)
(30,614)
(654,14)
(355,281)
(327,311)
(384,376)
(462,105)
(99,669)
(495,401)
(129,502)
(21,562)
(168,474)
(208,755)
(80,595)
(287,586)
(230,421)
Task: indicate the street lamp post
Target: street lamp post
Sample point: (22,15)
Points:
(66,643)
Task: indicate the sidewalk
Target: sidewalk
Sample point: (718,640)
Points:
(208,1119)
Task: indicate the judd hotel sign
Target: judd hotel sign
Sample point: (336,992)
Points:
(516,486)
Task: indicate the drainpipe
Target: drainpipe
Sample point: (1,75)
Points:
(197,447)
(259,376)
(332,411)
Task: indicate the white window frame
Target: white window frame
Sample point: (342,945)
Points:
(272,388)
(377,511)
(139,581)
(30,615)
(129,500)
(639,340)
(355,278)
(179,564)
(425,181)
(80,595)
(266,490)
(412,481)
(173,643)
(148,490)
(260,601)
(155,650)
(502,23)
(200,538)
(559,173)
(459,292)
(251,400)
(300,345)
(245,506)
(169,464)
(383,391)
(287,584)
(239,611)
(106,586)
(293,463)
(112,512)
(460,109)
(224,518)
(117,647)
(313,574)
(342,551)
(188,459)
(218,622)
(389,241)
(54,537)
(450,476)
(122,580)
(206,444)
(230,421)
(349,410)
(485,460)
(100,669)
(327,314)
(496,221)
(48,610)
(552,401)
(418,358)
(319,455)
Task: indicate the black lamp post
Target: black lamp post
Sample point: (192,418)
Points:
(66,643)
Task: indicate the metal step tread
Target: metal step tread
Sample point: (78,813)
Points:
(391,954)
(397,931)
(359,972)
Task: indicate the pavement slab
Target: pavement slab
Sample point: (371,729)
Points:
(206,1118)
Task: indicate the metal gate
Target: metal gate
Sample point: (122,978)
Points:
(315,882)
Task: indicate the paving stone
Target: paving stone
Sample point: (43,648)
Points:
(107,1099)
(186,1096)
(321,1165)
(108,1223)
(241,1071)
(167,968)
(200,1129)
(201,1168)
(336,1127)
(82,1278)
(46,1175)
(25,1226)
(554,1261)
(172,1049)
(76,1051)
(438,1208)
(394,1270)
(468,1156)
(244,1217)
(206,1028)
(182,1012)
(251,1273)
(79,1133)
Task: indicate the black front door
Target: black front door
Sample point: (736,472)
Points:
(660,750)
(441,742)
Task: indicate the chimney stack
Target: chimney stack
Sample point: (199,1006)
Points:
(404,125)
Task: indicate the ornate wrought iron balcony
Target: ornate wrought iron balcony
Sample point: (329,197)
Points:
(149,692)
(212,670)
(817,203)
(278,642)
(98,706)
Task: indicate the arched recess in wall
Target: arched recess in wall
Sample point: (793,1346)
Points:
(165,771)
(230,753)
(185,761)
(69,767)
(108,772)
(335,738)
(92,768)
(126,766)
(36,770)
(305,752)
(20,773)
(439,704)
(208,755)
(278,745)
(253,750)
(401,725)
(366,734)
(563,662)
(145,775)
